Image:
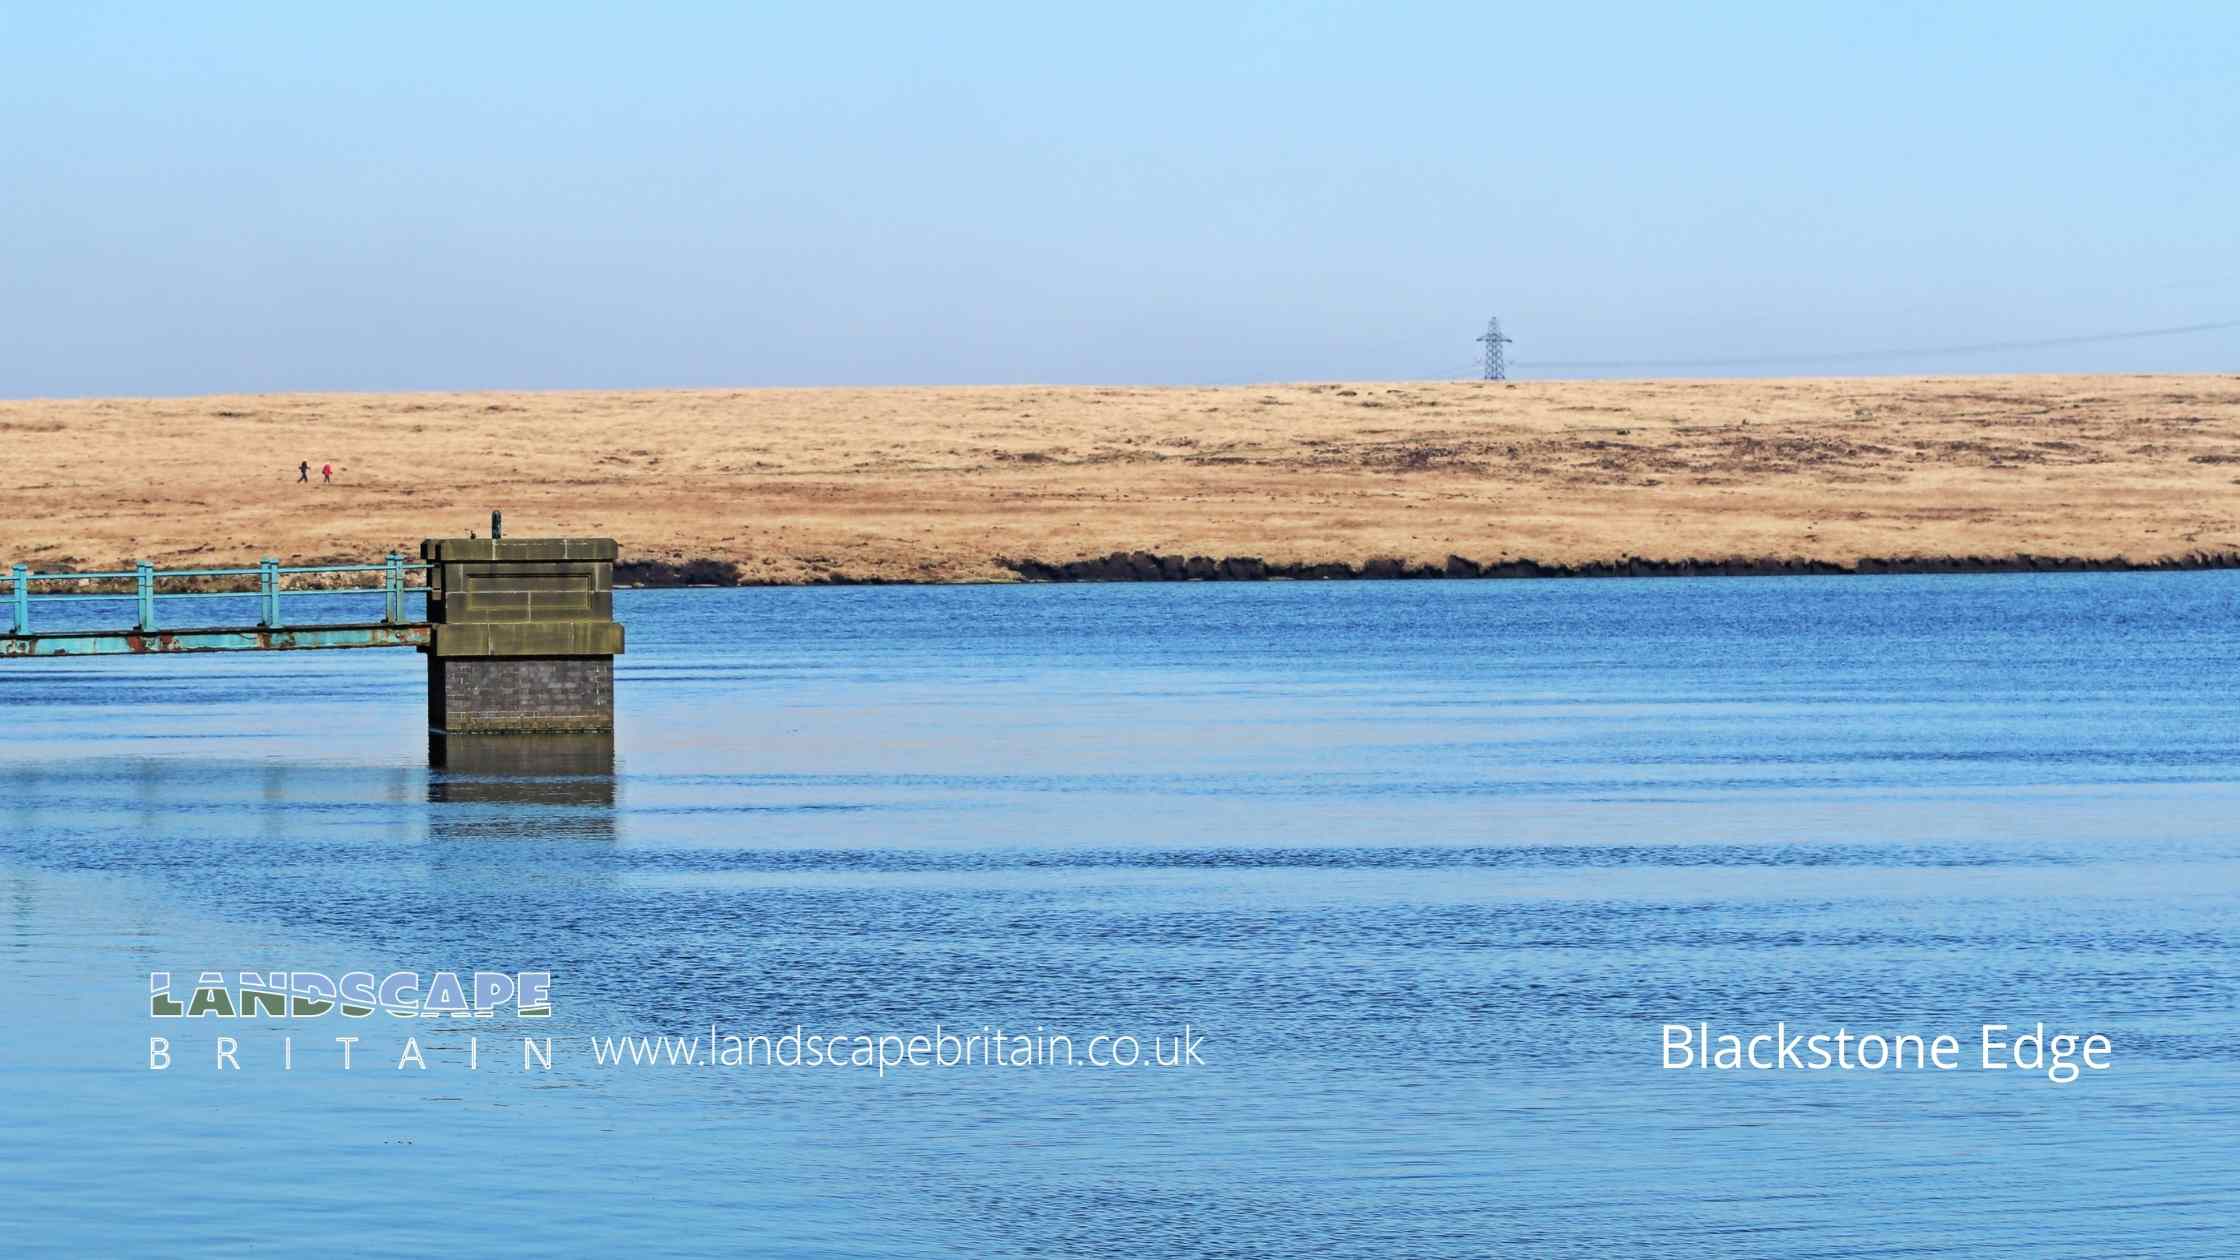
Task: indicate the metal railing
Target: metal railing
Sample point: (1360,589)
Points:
(270,574)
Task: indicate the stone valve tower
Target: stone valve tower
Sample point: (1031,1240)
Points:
(522,636)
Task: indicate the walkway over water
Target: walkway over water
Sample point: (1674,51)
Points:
(519,633)
(399,582)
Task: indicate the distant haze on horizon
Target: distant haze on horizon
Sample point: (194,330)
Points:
(237,199)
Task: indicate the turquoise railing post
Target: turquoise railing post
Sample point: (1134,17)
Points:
(393,583)
(268,592)
(19,619)
(145,575)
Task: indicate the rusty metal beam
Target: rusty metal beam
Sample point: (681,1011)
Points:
(215,639)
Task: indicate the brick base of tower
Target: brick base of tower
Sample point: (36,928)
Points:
(537,695)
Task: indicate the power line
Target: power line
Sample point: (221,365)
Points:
(1845,356)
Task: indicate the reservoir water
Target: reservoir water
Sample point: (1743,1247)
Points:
(1427,866)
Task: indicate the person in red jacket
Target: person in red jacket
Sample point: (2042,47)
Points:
(326,472)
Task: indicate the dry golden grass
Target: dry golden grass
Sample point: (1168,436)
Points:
(934,484)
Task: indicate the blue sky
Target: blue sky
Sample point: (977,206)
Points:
(199,198)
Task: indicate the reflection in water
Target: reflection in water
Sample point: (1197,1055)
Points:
(523,754)
(521,787)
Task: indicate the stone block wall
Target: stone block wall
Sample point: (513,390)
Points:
(537,694)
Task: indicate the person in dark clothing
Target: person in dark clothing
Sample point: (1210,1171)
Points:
(303,471)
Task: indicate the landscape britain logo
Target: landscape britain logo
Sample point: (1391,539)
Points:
(356,994)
